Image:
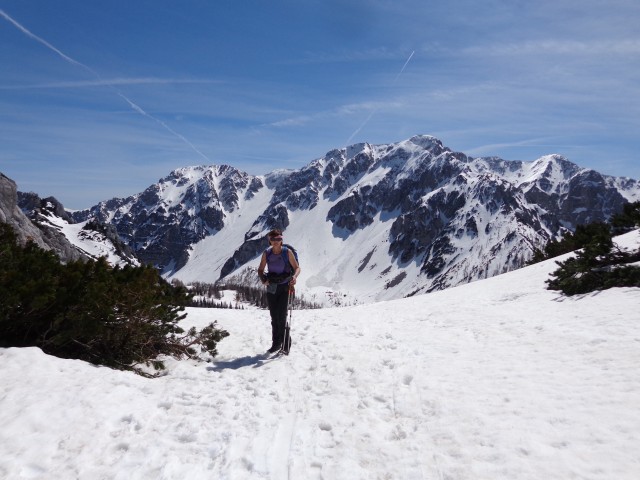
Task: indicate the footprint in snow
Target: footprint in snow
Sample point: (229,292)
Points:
(122,447)
(326,427)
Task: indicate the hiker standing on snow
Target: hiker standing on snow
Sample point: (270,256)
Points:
(280,275)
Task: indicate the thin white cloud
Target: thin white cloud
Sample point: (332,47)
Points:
(341,111)
(348,56)
(106,82)
(292,122)
(559,47)
(490,149)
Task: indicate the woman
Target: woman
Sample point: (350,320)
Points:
(280,275)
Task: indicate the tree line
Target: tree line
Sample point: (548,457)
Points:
(209,295)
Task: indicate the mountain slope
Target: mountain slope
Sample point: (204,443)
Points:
(496,379)
(371,222)
(84,240)
(28,231)
(164,221)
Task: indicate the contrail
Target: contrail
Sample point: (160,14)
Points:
(404,66)
(44,42)
(133,105)
(361,126)
(378,107)
(170,130)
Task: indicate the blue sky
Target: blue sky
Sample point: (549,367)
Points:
(101,99)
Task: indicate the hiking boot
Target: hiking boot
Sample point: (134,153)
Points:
(274,348)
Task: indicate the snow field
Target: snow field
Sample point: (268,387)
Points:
(498,379)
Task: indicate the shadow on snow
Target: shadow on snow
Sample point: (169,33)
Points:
(254,361)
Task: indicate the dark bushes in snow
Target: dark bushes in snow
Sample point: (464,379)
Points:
(598,264)
(119,317)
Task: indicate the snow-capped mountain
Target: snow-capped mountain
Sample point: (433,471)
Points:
(71,240)
(162,223)
(370,221)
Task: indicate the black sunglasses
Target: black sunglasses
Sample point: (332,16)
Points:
(275,239)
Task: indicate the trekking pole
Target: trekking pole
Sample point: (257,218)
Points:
(292,294)
(286,343)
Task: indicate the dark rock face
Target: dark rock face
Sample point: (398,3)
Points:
(274,217)
(23,217)
(584,196)
(23,212)
(589,199)
(11,214)
(31,203)
(246,252)
(413,233)
(354,212)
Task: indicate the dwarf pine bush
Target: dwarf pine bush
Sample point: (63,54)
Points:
(119,317)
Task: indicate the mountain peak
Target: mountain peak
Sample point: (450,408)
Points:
(426,141)
(194,172)
(552,169)
(374,221)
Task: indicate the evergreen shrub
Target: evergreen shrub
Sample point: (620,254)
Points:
(119,317)
(597,264)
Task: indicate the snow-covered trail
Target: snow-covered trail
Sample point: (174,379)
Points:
(499,379)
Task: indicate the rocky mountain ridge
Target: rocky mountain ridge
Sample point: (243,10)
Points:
(380,221)
(46,223)
(27,230)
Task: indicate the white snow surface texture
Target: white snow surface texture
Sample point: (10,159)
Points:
(497,379)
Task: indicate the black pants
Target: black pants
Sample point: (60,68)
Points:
(278,303)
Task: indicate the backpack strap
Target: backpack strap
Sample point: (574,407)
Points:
(285,257)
